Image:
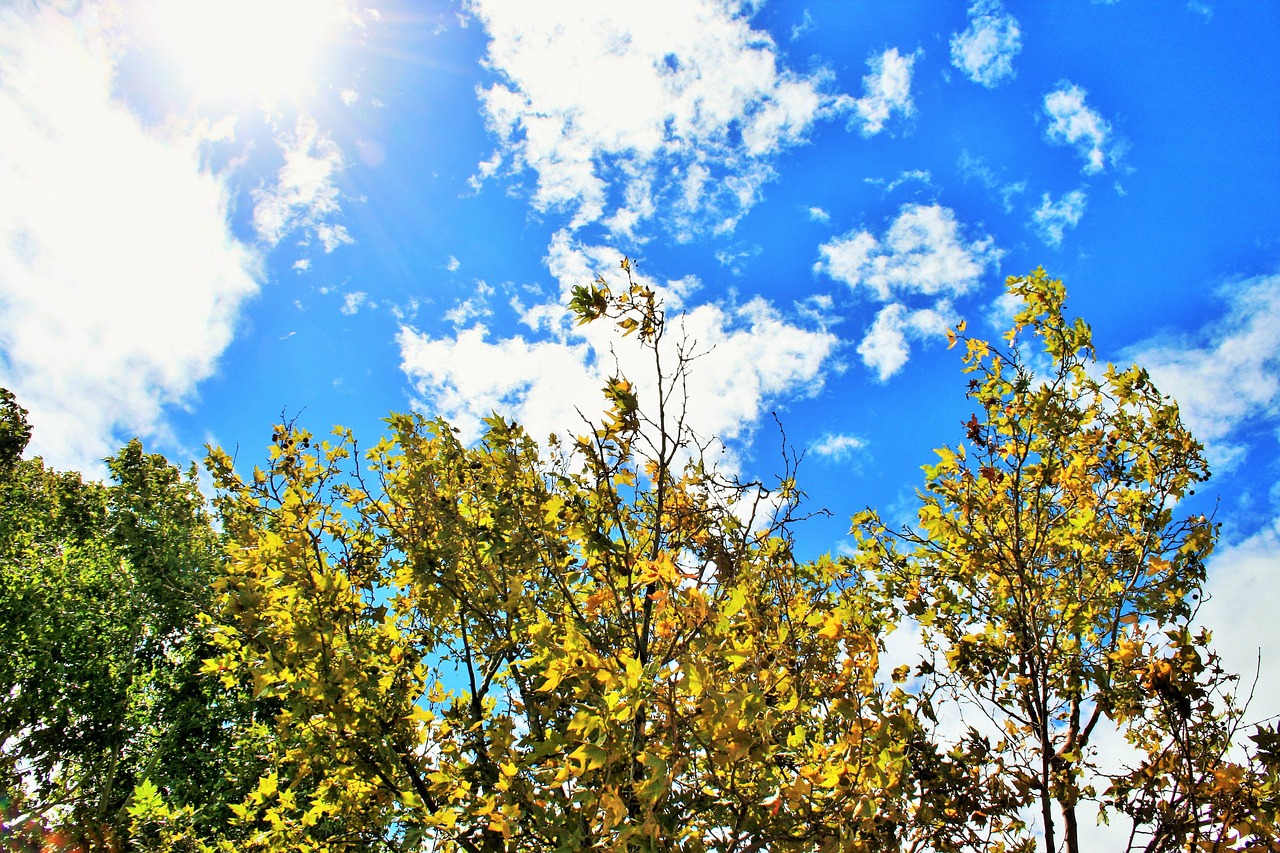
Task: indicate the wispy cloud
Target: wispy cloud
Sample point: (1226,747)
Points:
(354,301)
(474,307)
(1073,122)
(886,91)
(1227,375)
(973,168)
(120,278)
(924,253)
(304,196)
(1052,218)
(984,51)
(921,176)
(752,355)
(1202,9)
(839,447)
(707,107)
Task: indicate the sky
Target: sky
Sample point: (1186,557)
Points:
(217,214)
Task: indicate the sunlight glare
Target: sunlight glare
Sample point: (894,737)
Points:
(241,49)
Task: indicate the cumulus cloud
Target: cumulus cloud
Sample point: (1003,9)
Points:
(618,115)
(304,196)
(750,356)
(886,91)
(120,281)
(1227,375)
(1052,218)
(986,48)
(924,253)
(1073,122)
(884,348)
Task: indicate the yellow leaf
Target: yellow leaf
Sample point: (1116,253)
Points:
(833,628)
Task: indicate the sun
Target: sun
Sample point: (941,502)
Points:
(245,49)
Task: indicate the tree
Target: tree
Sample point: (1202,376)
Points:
(607,644)
(100,683)
(503,647)
(1054,586)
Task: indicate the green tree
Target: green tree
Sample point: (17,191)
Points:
(100,656)
(1054,585)
(502,647)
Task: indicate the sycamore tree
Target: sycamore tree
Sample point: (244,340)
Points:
(1054,582)
(602,644)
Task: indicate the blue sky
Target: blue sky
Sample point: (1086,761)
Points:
(214,213)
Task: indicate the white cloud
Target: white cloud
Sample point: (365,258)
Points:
(120,281)
(1204,10)
(884,348)
(353,302)
(477,306)
(975,168)
(817,214)
(838,446)
(735,257)
(924,251)
(305,195)
(1243,599)
(887,90)
(1229,374)
(806,24)
(922,176)
(453,264)
(618,114)
(986,48)
(1052,218)
(752,356)
(1072,122)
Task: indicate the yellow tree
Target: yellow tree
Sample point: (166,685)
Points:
(502,647)
(1054,583)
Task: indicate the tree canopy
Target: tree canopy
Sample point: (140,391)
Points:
(608,643)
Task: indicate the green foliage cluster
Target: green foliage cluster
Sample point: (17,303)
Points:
(100,655)
(606,644)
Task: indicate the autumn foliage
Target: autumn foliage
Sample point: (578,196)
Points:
(605,643)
